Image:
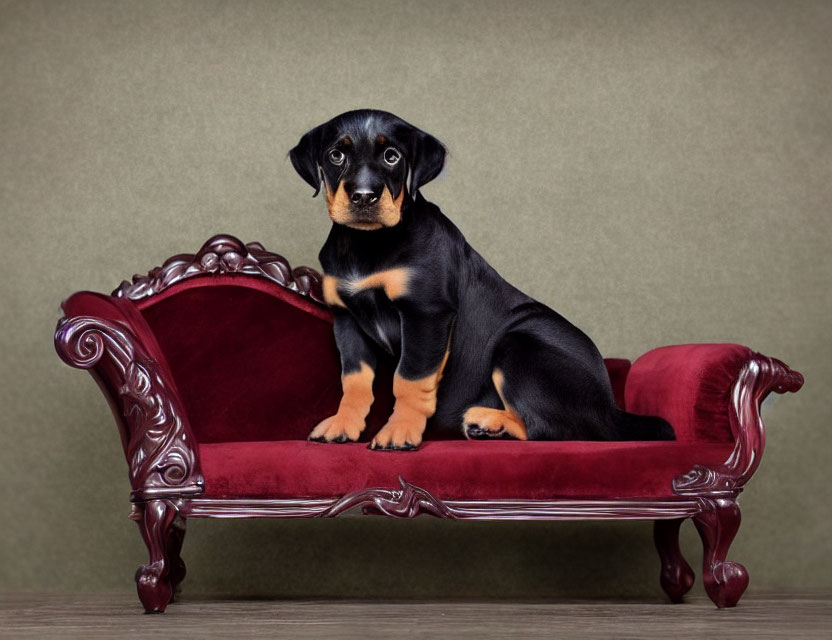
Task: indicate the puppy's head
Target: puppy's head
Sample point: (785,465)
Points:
(371,164)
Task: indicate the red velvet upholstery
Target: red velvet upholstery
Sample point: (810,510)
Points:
(256,362)
(688,385)
(618,370)
(252,360)
(454,469)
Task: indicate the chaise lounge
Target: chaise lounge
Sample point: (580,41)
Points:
(217,366)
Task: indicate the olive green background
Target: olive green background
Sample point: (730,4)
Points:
(658,172)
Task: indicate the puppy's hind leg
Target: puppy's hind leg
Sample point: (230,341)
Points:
(485,423)
(547,393)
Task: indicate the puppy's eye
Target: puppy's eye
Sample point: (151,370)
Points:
(391,156)
(336,157)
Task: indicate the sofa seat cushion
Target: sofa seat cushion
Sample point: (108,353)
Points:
(452,469)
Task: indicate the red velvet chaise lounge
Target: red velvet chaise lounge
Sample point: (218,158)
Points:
(217,366)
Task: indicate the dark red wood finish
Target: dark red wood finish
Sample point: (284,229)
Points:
(223,254)
(160,450)
(717,523)
(166,480)
(676,575)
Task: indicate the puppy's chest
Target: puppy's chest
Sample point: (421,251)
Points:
(369,299)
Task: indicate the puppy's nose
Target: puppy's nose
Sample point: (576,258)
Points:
(363,197)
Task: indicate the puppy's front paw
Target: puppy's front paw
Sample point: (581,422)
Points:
(337,428)
(400,434)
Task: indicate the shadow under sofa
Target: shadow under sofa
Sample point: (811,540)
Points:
(218,364)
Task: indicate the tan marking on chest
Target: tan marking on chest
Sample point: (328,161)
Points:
(331,296)
(395,282)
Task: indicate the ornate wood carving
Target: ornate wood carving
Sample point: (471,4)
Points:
(224,254)
(407,502)
(758,377)
(158,443)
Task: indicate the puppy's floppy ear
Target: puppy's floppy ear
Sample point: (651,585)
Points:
(305,159)
(427,159)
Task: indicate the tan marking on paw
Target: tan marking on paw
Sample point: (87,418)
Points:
(349,421)
(415,403)
(338,427)
(404,429)
(420,395)
(496,421)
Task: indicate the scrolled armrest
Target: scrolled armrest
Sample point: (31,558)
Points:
(711,392)
(160,449)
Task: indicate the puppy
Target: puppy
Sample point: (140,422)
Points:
(473,352)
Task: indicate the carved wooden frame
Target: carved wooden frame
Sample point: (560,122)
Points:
(224,254)
(160,449)
(166,481)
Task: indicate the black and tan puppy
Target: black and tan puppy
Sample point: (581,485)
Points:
(473,352)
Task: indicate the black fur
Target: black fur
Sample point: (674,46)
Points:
(555,377)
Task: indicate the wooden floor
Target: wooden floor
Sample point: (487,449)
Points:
(97,616)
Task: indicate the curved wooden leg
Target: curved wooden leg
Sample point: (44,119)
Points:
(725,582)
(676,575)
(153,580)
(176,536)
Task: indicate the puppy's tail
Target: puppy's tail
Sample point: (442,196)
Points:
(633,427)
